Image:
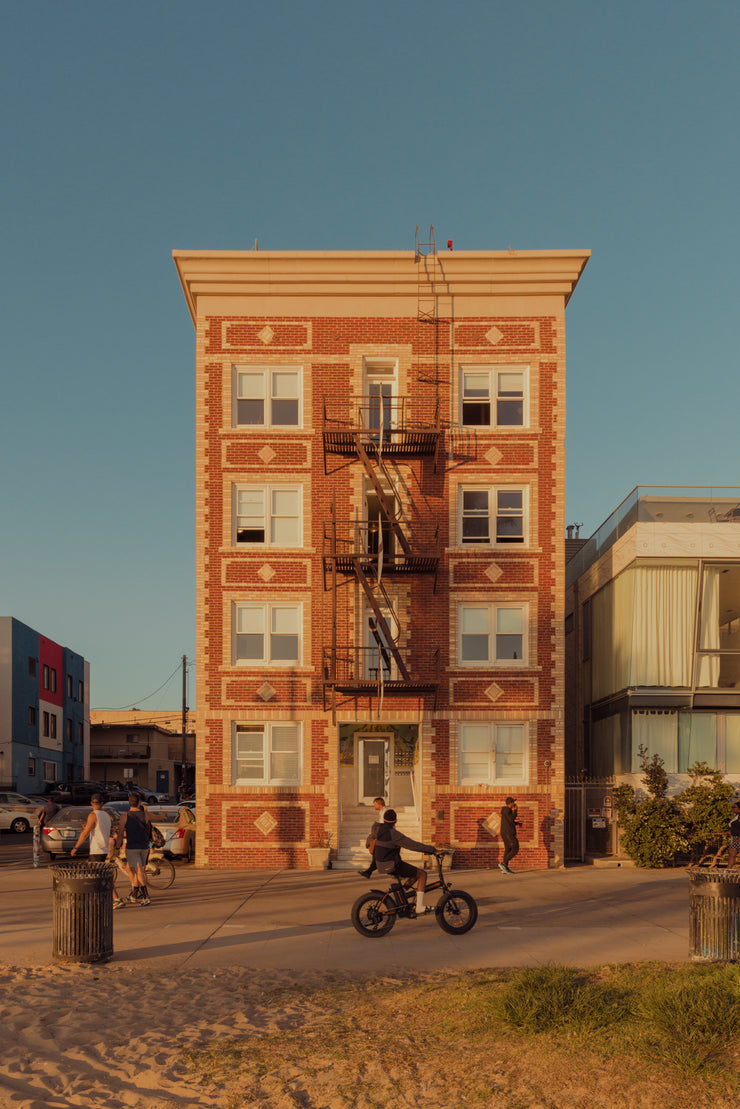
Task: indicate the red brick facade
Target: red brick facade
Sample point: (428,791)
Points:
(327,323)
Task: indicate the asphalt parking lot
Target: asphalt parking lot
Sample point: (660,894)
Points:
(298,919)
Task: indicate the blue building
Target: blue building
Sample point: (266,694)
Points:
(44,710)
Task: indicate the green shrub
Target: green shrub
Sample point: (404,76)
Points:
(654,835)
(705,805)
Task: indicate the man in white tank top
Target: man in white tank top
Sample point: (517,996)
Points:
(97,827)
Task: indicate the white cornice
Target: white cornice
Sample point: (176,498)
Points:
(389,275)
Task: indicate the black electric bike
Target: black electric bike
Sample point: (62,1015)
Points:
(375,913)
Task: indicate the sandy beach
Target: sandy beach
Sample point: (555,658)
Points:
(111,1037)
(108,1037)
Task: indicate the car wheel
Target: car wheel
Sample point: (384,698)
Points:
(20,824)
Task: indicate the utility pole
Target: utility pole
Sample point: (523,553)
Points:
(184,722)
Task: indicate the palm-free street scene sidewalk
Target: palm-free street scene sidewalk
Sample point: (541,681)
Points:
(300,920)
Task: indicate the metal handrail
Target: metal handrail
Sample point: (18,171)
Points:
(358,666)
(364,413)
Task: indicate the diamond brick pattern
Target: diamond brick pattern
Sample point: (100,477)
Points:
(265,823)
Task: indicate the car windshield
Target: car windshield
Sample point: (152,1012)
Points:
(73,814)
(164,816)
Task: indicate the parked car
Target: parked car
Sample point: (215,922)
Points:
(77,793)
(148,796)
(177,825)
(18,813)
(59,836)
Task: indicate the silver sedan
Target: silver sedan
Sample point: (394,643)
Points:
(17,812)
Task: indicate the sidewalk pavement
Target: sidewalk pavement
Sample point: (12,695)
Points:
(300,920)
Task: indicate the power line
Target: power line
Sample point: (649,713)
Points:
(137,701)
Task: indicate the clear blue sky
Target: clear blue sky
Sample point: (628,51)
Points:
(130,130)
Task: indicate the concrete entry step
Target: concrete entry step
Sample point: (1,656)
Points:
(611,861)
(355,826)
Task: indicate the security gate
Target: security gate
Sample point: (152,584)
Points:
(590,818)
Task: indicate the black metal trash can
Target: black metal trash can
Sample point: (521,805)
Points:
(83,912)
(714,915)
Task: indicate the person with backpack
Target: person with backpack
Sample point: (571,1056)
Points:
(388,859)
(136,828)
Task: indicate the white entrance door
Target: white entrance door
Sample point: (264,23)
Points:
(374,769)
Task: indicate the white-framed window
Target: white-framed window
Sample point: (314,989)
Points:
(48,770)
(492,753)
(492,635)
(267,754)
(267,396)
(493,515)
(267,634)
(268,515)
(494,396)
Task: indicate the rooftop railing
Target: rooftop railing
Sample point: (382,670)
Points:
(659,504)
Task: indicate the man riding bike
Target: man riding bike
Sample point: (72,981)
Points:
(388,859)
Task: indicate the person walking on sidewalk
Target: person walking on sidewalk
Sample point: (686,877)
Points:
(136,827)
(97,827)
(379,806)
(509,825)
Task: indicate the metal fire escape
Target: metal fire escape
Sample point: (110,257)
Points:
(377,431)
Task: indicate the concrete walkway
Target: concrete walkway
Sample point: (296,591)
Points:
(300,920)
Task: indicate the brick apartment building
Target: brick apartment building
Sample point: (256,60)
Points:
(380,548)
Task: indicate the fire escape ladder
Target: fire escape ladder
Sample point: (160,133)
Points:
(384,639)
(425,256)
(383,498)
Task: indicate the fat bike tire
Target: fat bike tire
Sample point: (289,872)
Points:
(160,873)
(456,912)
(370,917)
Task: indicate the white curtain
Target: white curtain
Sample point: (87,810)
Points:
(663,625)
(643,624)
(657,731)
(707,673)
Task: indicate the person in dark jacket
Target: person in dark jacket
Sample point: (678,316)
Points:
(136,827)
(509,825)
(388,859)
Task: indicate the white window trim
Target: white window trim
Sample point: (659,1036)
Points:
(268,491)
(493,491)
(268,370)
(492,662)
(493,372)
(267,729)
(267,607)
(491,779)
